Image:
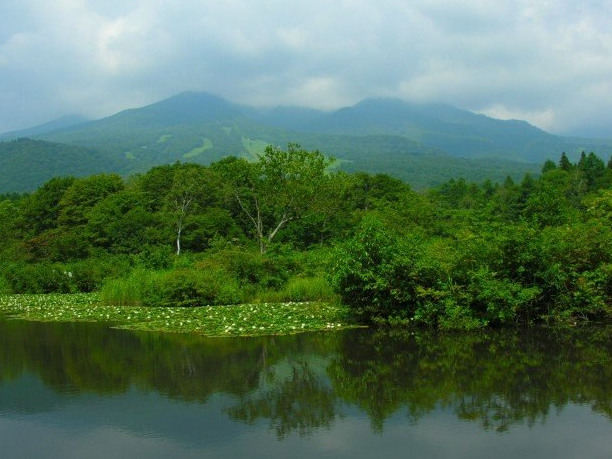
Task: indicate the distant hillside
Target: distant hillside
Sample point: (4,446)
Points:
(26,164)
(450,130)
(188,127)
(52,126)
(422,144)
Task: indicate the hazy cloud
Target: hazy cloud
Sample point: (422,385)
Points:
(547,62)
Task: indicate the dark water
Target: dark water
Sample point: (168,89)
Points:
(79,390)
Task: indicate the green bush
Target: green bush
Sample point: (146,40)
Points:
(499,300)
(90,275)
(157,258)
(39,278)
(374,274)
(129,290)
(5,287)
(301,289)
(192,287)
(251,268)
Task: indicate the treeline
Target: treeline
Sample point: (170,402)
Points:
(289,227)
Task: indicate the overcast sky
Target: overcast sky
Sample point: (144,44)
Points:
(548,62)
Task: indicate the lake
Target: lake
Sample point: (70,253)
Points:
(86,390)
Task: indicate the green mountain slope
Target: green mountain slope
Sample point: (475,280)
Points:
(26,164)
(422,144)
(190,126)
(455,132)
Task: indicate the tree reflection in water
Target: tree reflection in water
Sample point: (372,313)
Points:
(302,383)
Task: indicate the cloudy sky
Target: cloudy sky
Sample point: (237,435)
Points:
(548,62)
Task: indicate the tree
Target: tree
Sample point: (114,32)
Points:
(191,185)
(282,186)
(83,194)
(40,210)
(594,171)
(564,163)
(123,223)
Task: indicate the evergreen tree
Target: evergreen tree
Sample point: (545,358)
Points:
(594,169)
(564,163)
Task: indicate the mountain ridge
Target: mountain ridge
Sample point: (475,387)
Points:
(424,144)
(455,131)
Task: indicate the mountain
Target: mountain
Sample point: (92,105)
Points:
(424,144)
(197,123)
(184,108)
(51,126)
(189,126)
(26,164)
(456,132)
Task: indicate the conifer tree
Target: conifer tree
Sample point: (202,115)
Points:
(564,163)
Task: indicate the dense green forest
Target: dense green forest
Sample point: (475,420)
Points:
(27,164)
(290,226)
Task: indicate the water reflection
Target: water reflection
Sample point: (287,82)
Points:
(304,384)
(497,379)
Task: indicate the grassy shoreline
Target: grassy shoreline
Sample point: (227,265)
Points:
(214,321)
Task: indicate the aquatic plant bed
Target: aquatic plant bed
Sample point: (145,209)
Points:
(239,320)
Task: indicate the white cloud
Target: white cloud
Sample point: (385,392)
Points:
(547,61)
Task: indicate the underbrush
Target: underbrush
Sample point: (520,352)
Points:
(228,275)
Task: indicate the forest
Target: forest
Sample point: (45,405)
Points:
(289,226)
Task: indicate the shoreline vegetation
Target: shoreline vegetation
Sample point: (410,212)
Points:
(276,244)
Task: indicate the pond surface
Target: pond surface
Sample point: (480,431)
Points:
(84,390)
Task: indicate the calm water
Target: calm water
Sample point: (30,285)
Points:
(80,390)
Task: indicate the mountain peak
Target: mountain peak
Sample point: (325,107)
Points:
(189,107)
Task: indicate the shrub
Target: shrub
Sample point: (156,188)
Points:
(130,290)
(89,275)
(373,273)
(152,257)
(39,278)
(192,287)
(251,268)
(4,286)
(301,289)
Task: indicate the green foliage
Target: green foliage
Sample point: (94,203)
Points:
(26,164)
(280,187)
(461,256)
(83,194)
(5,287)
(39,278)
(372,272)
(40,210)
(155,258)
(192,287)
(173,288)
(89,275)
(77,276)
(300,289)
(123,223)
(252,268)
(128,290)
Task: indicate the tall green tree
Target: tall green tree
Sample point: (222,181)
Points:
(83,194)
(40,210)
(280,187)
(190,187)
(564,163)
